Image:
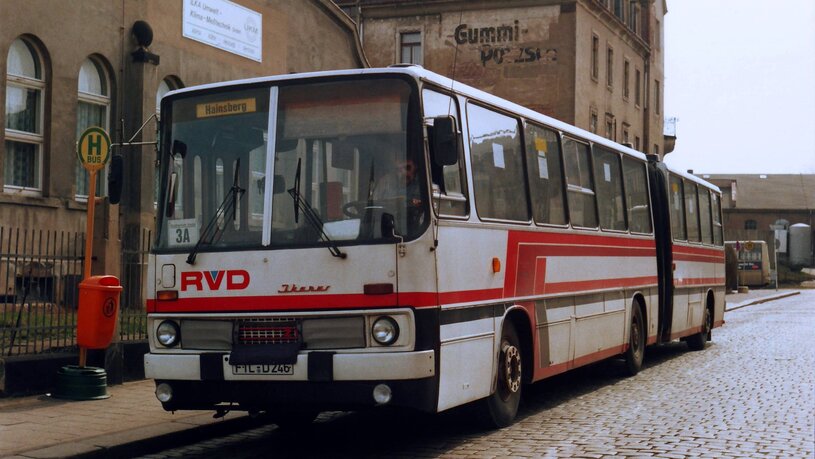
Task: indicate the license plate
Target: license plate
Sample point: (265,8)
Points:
(263,369)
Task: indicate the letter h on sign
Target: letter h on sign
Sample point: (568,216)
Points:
(94,145)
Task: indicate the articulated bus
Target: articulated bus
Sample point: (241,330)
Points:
(349,239)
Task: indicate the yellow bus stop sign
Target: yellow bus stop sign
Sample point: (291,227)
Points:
(93,148)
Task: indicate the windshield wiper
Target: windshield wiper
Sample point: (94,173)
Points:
(311,216)
(212,233)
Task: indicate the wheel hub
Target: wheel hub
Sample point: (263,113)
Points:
(512,368)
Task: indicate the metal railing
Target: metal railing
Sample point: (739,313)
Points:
(40,272)
(133,313)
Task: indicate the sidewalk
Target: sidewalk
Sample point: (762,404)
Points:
(740,300)
(44,427)
(132,419)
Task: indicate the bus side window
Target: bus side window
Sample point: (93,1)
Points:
(579,188)
(545,175)
(449,191)
(705,223)
(716,209)
(636,196)
(677,209)
(498,170)
(609,189)
(691,211)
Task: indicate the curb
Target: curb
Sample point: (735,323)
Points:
(151,444)
(149,439)
(763,299)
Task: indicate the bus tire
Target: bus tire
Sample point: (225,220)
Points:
(635,354)
(501,407)
(698,342)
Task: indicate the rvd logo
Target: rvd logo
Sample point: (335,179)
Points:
(234,279)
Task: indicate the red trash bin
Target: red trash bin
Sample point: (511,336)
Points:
(98,311)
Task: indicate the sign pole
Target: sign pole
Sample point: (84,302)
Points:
(83,353)
(93,151)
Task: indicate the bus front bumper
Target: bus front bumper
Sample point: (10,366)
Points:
(319,381)
(312,366)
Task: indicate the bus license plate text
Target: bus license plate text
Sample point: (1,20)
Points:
(263,369)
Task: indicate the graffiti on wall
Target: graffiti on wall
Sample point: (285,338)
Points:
(502,44)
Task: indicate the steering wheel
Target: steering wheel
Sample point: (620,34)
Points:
(354,209)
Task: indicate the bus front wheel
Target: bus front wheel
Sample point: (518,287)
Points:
(635,353)
(502,406)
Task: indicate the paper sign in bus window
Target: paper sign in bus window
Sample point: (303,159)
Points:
(543,166)
(181,233)
(607,172)
(498,155)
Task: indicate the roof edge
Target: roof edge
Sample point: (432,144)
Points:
(339,15)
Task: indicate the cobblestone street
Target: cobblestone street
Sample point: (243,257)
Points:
(749,394)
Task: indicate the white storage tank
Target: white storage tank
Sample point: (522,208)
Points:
(800,245)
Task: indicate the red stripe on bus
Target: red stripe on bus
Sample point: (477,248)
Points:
(719,252)
(700,258)
(579,239)
(599,284)
(527,253)
(578,362)
(273,303)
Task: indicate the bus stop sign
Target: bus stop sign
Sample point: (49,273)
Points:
(93,148)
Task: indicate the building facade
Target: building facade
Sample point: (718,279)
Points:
(79,63)
(596,64)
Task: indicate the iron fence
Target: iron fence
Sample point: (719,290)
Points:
(40,271)
(133,314)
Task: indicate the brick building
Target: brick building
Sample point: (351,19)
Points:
(77,63)
(596,64)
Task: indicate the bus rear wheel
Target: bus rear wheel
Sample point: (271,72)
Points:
(699,341)
(635,353)
(501,407)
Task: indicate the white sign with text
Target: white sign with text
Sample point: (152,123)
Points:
(224,25)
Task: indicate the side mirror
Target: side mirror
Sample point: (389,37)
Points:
(444,149)
(388,226)
(115,179)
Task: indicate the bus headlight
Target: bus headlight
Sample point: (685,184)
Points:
(385,331)
(168,333)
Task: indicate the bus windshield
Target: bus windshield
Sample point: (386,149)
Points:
(347,167)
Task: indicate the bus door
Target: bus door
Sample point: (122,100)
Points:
(658,176)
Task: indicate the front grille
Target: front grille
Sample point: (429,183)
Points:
(315,333)
(268,332)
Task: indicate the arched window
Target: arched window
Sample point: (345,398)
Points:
(750,225)
(166,85)
(93,109)
(24,144)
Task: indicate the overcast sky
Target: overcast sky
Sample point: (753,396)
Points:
(740,78)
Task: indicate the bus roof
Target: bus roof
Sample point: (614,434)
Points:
(419,72)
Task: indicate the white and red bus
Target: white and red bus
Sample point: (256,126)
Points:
(345,239)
